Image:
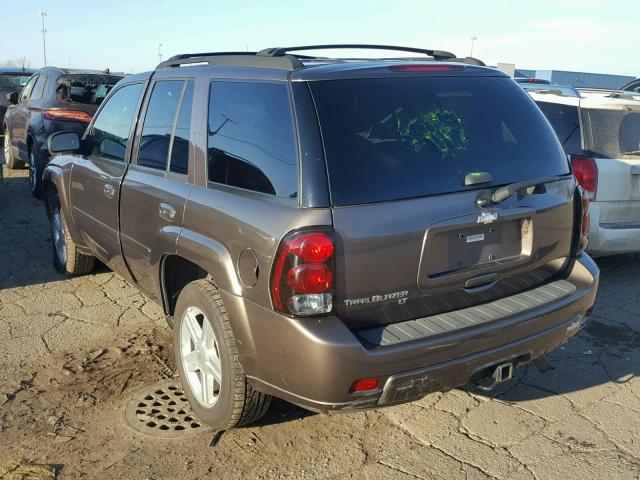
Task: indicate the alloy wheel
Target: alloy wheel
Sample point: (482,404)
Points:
(57,232)
(200,357)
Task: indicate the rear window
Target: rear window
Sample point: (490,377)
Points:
(566,122)
(10,81)
(86,89)
(395,138)
(612,133)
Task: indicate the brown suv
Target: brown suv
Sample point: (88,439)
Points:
(339,233)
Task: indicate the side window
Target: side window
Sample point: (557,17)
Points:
(251,140)
(38,88)
(564,120)
(180,145)
(26,91)
(158,124)
(110,132)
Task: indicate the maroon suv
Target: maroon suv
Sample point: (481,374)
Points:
(54,100)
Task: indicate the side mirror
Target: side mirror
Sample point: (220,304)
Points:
(63,142)
(12,98)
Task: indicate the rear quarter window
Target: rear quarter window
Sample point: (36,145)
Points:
(395,138)
(612,133)
(251,138)
(565,121)
(87,89)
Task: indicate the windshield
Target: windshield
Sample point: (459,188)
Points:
(612,133)
(395,138)
(87,89)
(13,81)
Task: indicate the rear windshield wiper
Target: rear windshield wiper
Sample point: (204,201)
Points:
(502,193)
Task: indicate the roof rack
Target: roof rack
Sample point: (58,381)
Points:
(233,59)
(279,52)
(280,57)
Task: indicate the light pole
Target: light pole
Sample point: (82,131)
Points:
(44,40)
(473,41)
(159,53)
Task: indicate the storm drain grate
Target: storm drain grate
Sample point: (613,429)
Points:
(162,411)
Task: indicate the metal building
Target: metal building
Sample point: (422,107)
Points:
(577,79)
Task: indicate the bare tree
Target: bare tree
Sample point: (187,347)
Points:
(23,62)
(8,63)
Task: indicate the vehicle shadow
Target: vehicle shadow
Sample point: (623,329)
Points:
(282,411)
(606,351)
(25,236)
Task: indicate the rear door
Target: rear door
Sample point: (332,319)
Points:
(156,187)
(96,177)
(407,157)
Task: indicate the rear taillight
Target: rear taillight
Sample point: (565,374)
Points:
(586,172)
(303,272)
(585,220)
(66,114)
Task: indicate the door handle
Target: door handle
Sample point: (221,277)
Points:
(109,191)
(167,212)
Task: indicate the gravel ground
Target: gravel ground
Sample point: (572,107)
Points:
(74,352)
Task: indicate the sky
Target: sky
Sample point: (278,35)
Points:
(585,35)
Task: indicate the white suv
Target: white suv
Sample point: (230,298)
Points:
(601,135)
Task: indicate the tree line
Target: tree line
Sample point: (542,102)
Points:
(22,62)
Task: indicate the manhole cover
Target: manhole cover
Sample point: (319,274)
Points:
(162,411)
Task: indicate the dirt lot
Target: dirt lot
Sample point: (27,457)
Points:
(74,352)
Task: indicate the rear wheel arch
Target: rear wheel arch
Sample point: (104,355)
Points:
(50,191)
(176,272)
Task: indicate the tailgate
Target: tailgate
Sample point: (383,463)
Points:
(420,257)
(618,179)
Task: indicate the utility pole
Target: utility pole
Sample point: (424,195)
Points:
(44,40)
(159,53)
(473,41)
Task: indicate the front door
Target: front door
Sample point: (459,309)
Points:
(96,177)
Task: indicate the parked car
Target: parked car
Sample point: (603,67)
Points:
(602,137)
(531,81)
(632,86)
(563,90)
(12,79)
(54,99)
(342,234)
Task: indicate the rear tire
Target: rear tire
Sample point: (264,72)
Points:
(208,362)
(36,170)
(12,161)
(67,259)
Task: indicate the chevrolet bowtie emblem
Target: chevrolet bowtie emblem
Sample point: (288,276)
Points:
(487,217)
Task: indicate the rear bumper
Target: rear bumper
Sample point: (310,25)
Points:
(313,362)
(607,237)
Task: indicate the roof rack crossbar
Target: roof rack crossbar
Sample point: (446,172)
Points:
(280,51)
(233,59)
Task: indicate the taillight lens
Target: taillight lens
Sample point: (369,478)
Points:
(66,114)
(585,220)
(302,277)
(586,172)
(310,278)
